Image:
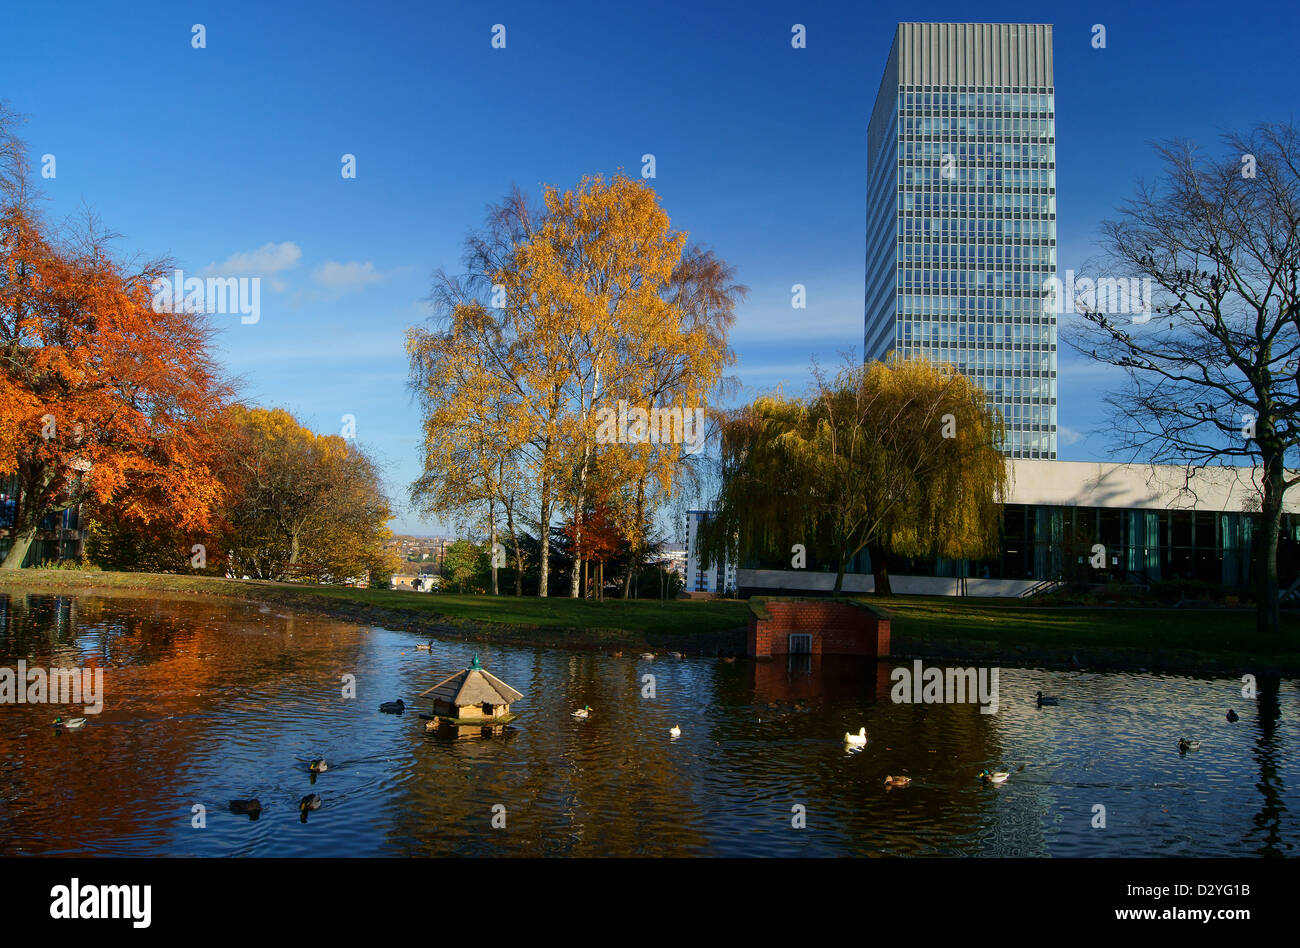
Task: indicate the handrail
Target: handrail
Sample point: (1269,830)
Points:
(1292,593)
(1041,587)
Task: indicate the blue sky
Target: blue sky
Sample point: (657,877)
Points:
(229,156)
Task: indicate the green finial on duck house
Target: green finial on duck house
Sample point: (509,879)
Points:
(471,703)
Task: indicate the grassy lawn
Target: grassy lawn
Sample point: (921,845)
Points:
(688,617)
(1190,638)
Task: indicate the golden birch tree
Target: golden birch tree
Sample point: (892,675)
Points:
(565,311)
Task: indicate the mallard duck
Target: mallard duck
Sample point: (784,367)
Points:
(1046,701)
(248,807)
(393,707)
(674,731)
(70,722)
(647,655)
(311,801)
(1184,745)
(1233,716)
(897,781)
(424,646)
(856,740)
(582,712)
(999,777)
(675,655)
(730,660)
(318,766)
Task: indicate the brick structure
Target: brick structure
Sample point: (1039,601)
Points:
(834,627)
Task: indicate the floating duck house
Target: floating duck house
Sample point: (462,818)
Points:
(471,703)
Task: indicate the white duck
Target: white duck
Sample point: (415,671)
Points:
(674,731)
(856,740)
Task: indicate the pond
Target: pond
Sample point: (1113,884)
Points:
(209,700)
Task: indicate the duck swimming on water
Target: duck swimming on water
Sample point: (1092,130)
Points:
(311,801)
(393,707)
(1044,701)
(248,807)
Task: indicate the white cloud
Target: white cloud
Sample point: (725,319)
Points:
(1067,436)
(265,261)
(338,276)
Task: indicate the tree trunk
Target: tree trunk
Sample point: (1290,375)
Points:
(1268,620)
(22,541)
(576,579)
(880,569)
(839,579)
(31,504)
(583,587)
(492,530)
(293,551)
(638,547)
(544,540)
(519,556)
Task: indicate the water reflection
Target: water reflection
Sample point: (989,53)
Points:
(211,701)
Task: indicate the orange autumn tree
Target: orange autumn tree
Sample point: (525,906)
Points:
(595,538)
(101,397)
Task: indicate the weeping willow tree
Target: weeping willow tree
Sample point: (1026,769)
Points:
(898,458)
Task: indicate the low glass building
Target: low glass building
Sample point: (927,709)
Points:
(1071,521)
(1051,542)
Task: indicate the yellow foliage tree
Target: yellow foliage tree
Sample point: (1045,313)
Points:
(301,505)
(567,313)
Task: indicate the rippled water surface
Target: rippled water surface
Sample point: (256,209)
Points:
(211,700)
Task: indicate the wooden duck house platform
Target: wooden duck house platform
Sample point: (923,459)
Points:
(471,703)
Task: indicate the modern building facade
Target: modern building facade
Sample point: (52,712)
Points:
(1093,522)
(961,215)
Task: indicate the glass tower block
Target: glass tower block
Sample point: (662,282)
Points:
(961,215)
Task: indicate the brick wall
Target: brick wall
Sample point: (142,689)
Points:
(837,628)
